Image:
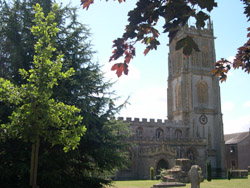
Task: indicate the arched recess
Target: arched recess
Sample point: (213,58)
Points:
(131,158)
(139,132)
(193,155)
(162,164)
(202,92)
(178,133)
(159,133)
(194,58)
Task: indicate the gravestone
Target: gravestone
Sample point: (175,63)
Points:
(195,176)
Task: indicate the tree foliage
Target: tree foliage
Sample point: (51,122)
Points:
(242,57)
(37,112)
(142,28)
(241,60)
(101,150)
(209,171)
(228,174)
(151,173)
(143,21)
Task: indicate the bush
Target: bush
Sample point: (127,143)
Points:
(209,171)
(151,173)
(228,174)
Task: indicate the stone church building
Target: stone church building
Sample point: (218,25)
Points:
(194,128)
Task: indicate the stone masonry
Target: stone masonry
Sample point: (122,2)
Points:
(194,128)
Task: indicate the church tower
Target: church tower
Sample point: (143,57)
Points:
(194,93)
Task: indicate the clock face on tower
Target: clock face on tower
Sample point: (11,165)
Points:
(203,119)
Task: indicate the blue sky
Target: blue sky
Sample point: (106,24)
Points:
(146,83)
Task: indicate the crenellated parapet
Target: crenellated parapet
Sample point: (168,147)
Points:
(193,30)
(143,120)
(151,122)
(203,31)
(156,129)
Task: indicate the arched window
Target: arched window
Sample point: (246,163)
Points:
(139,132)
(178,133)
(202,92)
(192,154)
(159,133)
(194,58)
(205,57)
(178,95)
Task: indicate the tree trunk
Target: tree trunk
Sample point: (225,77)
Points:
(34,162)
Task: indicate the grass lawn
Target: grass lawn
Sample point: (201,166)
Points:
(218,183)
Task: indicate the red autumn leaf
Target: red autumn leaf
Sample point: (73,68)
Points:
(120,68)
(248,35)
(116,54)
(120,46)
(86,3)
(146,51)
(129,53)
(114,67)
(221,69)
(118,42)
(214,71)
(128,58)
(125,70)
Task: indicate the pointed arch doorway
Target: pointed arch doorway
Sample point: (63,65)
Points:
(161,164)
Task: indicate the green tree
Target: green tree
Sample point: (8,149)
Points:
(17,41)
(229,174)
(101,150)
(209,171)
(142,28)
(151,173)
(39,115)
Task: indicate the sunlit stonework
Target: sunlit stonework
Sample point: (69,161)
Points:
(194,128)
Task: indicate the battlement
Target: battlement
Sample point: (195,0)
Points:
(145,121)
(191,29)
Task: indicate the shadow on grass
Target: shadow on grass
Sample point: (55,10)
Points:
(215,183)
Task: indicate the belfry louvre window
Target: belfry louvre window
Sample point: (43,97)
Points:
(202,92)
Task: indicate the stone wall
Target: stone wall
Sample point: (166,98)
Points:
(244,153)
(157,141)
(239,173)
